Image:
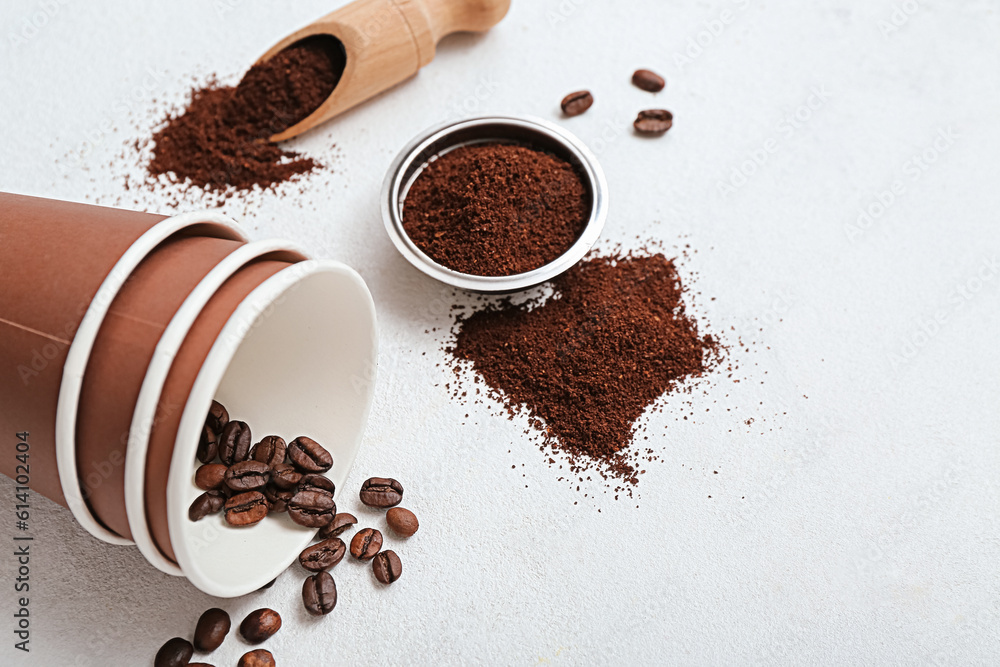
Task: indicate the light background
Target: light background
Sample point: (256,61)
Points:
(853,522)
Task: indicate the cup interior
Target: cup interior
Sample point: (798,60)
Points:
(297,357)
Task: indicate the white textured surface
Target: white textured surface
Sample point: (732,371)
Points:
(855,526)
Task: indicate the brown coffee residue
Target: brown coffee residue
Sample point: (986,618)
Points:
(589,361)
(219,141)
(496,209)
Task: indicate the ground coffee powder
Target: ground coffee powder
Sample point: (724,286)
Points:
(219,142)
(496,209)
(586,363)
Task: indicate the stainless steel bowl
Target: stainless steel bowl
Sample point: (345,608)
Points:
(527,131)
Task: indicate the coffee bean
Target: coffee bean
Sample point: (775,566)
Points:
(387,567)
(366,543)
(319,594)
(207,503)
(259,625)
(218,417)
(285,476)
(234,443)
(277,499)
(176,652)
(208,445)
(210,476)
(211,631)
(257,658)
(381,492)
(308,455)
(340,523)
(246,509)
(650,81)
(402,521)
(247,475)
(654,121)
(314,482)
(270,450)
(199,664)
(324,555)
(576,103)
(313,509)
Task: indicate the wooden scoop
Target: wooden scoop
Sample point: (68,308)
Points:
(385,42)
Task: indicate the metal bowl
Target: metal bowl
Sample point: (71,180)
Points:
(526,131)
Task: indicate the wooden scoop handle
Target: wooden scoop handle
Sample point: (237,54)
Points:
(386,42)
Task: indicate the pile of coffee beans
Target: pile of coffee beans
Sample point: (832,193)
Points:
(210,632)
(649,121)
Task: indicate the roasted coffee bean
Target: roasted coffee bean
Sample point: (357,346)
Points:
(199,664)
(647,80)
(270,450)
(260,625)
(246,509)
(319,594)
(366,543)
(176,652)
(387,567)
(248,475)
(308,455)
(208,445)
(211,631)
(257,658)
(218,417)
(324,555)
(285,476)
(210,476)
(234,443)
(340,523)
(576,103)
(277,499)
(402,521)
(313,509)
(314,482)
(654,121)
(207,503)
(381,492)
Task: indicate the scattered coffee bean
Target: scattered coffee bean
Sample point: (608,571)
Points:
(277,499)
(324,555)
(218,417)
(654,121)
(199,664)
(234,443)
(285,476)
(319,594)
(340,523)
(259,625)
(576,103)
(257,658)
(247,475)
(176,652)
(381,492)
(387,567)
(402,521)
(211,631)
(207,503)
(210,476)
(208,445)
(270,450)
(308,455)
(366,543)
(650,81)
(313,509)
(314,482)
(246,509)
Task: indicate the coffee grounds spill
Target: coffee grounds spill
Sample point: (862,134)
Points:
(496,209)
(219,141)
(587,362)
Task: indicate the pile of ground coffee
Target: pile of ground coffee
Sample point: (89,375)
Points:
(586,363)
(219,141)
(496,209)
